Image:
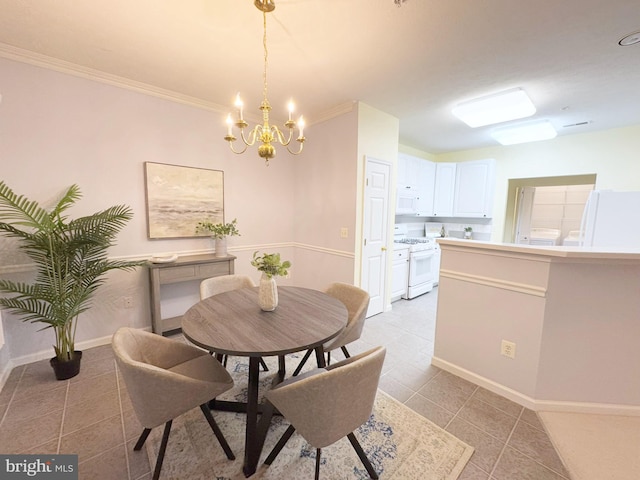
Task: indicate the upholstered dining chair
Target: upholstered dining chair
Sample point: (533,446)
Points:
(352,385)
(226,283)
(357,301)
(166,378)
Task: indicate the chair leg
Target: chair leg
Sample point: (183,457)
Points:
(163,449)
(264,366)
(143,438)
(302,362)
(216,430)
(345,351)
(281,443)
(363,457)
(318,453)
(328,358)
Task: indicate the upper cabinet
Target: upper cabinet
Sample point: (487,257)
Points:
(426,175)
(429,189)
(414,185)
(474,187)
(444,189)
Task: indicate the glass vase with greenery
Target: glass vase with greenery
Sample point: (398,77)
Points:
(219,230)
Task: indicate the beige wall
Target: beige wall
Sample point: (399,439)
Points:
(613,155)
(58,129)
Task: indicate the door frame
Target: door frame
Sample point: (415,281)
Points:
(388,221)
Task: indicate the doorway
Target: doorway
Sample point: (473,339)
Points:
(375,232)
(550,207)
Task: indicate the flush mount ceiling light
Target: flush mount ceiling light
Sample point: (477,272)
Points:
(500,107)
(523,133)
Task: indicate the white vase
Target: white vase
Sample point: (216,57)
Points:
(221,247)
(268,293)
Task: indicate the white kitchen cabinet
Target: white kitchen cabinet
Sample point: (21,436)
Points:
(416,177)
(400,274)
(444,188)
(426,181)
(407,171)
(474,187)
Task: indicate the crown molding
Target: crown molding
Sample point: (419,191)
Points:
(25,56)
(32,58)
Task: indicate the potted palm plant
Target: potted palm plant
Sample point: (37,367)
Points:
(70,258)
(219,232)
(271,266)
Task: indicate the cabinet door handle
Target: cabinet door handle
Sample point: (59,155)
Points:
(384,249)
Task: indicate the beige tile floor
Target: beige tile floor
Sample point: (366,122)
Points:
(91,415)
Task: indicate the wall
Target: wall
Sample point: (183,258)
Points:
(611,154)
(378,134)
(325,201)
(57,129)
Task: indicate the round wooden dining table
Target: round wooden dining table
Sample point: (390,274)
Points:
(232,323)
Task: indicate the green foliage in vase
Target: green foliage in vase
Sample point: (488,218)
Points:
(70,258)
(270,264)
(219,230)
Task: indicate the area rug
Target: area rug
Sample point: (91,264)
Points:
(401,444)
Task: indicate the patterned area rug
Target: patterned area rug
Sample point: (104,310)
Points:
(400,444)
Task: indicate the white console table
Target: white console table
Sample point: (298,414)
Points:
(185,269)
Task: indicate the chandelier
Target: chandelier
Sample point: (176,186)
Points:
(265,133)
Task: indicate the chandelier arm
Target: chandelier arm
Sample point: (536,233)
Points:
(280,136)
(234,150)
(301,140)
(253,134)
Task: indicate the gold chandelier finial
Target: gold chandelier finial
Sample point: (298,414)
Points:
(265,133)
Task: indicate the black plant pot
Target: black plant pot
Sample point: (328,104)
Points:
(68,369)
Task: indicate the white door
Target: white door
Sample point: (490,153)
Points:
(376,221)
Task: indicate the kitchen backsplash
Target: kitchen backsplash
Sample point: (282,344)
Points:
(481,231)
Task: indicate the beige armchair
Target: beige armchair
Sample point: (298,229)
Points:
(166,378)
(351,384)
(226,283)
(357,301)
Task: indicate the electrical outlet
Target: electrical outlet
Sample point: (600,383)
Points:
(344,232)
(127,302)
(508,349)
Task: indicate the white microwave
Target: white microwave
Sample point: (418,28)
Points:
(407,201)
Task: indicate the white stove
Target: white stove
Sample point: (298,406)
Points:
(421,251)
(416,244)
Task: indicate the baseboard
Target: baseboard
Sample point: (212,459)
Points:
(45,354)
(536,404)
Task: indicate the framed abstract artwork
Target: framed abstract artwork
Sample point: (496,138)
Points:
(179,197)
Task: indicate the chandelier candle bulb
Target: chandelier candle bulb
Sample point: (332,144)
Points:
(301,127)
(239,106)
(291,108)
(229,125)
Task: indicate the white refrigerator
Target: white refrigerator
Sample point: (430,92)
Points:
(611,219)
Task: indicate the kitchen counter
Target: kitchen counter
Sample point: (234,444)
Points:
(572,313)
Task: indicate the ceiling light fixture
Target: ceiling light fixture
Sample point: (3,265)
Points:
(630,39)
(266,134)
(500,107)
(526,132)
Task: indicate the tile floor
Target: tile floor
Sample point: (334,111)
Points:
(91,414)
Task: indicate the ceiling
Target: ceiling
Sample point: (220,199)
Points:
(415,61)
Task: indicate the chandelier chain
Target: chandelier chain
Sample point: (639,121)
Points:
(266,54)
